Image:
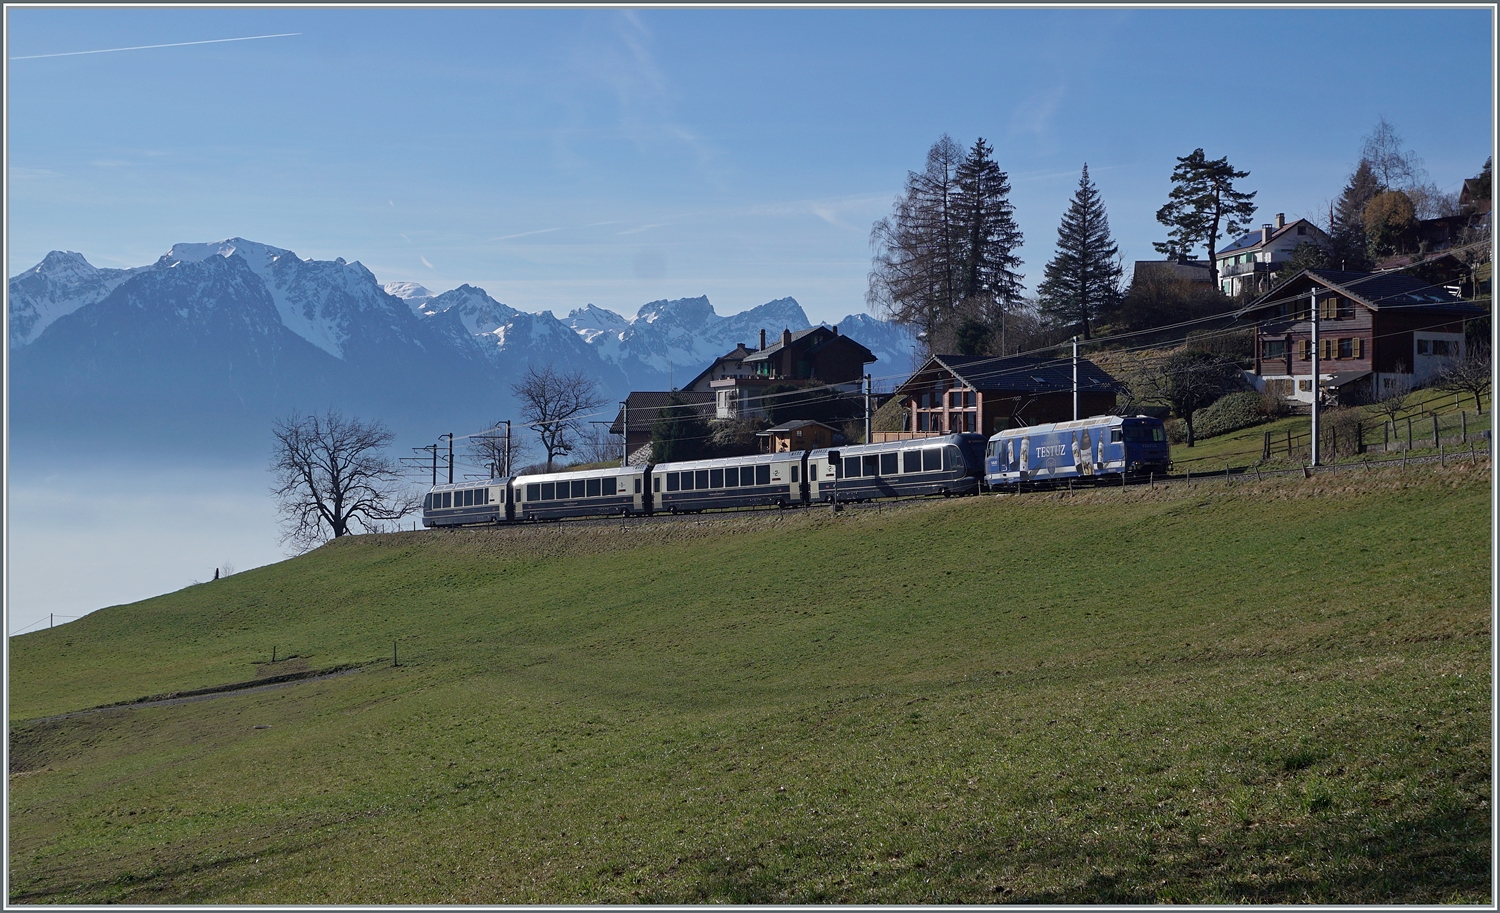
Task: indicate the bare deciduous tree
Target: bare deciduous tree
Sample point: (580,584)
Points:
(332,474)
(1187,380)
(1470,374)
(1390,399)
(490,450)
(553,403)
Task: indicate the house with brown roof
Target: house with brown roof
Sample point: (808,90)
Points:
(1374,330)
(639,412)
(949,394)
(816,356)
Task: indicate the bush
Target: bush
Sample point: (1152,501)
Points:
(1235,411)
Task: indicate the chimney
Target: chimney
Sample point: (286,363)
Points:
(1265,233)
(786,338)
(835,329)
(762,340)
(1280,221)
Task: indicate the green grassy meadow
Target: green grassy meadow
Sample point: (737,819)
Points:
(1262,692)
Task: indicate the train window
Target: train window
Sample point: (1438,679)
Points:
(592,488)
(851,467)
(795,467)
(637,486)
(656,484)
(888,464)
(716,478)
(812,472)
(732,477)
(872,464)
(932,459)
(447,499)
(427,502)
(579,488)
(1138,434)
(687,481)
(1116,435)
(763,474)
(951,459)
(671,481)
(533,492)
(549,491)
(911,461)
(701,483)
(468,498)
(609,486)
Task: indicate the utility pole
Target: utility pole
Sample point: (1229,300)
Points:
(1075,378)
(507,449)
(625,434)
(1313,310)
(449,436)
(867,408)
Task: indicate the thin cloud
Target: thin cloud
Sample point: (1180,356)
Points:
(424,262)
(640,228)
(148,47)
(539,231)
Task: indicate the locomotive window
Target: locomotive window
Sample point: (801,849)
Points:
(716,478)
(851,467)
(533,492)
(872,464)
(578,488)
(911,461)
(609,486)
(932,459)
(427,502)
(732,477)
(951,459)
(549,491)
(592,489)
(701,483)
(888,464)
(1115,436)
(763,474)
(671,481)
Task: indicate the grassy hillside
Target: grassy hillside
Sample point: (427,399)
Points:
(1271,692)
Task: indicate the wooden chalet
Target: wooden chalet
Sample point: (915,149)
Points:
(639,412)
(1373,329)
(803,434)
(967,393)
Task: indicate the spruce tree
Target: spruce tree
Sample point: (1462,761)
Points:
(947,250)
(1083,279)
(1348,224)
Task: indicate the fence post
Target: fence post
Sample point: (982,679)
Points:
(1265,448)
(1385,432)
(1434,429)
(1359,437)
(1289,443)
(1463,427)
(1408,432)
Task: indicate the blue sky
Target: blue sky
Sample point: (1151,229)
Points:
(562,157)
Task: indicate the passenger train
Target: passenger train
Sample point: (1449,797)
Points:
(950,465)
(955,464)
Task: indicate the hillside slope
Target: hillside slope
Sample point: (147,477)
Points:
(1268,692)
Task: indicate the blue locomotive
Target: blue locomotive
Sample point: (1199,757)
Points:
(1088,448)
(947,465)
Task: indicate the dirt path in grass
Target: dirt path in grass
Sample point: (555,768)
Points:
(222,691)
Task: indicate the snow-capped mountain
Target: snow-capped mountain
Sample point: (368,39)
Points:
(61,284)
(214,341)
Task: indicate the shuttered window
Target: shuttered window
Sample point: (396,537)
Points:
(1306,348)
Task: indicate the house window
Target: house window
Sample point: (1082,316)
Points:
(1306,347)
(1305,386)
(1328,308)
(1273,348)
(1301,229)
(1346,348)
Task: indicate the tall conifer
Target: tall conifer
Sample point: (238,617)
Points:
(1083,279)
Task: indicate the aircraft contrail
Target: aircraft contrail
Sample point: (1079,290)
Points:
(146,47)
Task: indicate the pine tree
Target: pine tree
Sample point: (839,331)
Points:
(1083,279)
(1203,198)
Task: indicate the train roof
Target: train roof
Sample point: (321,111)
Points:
(472,483)
(783,456)
(1071,425)
(934,441)
(599,473)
